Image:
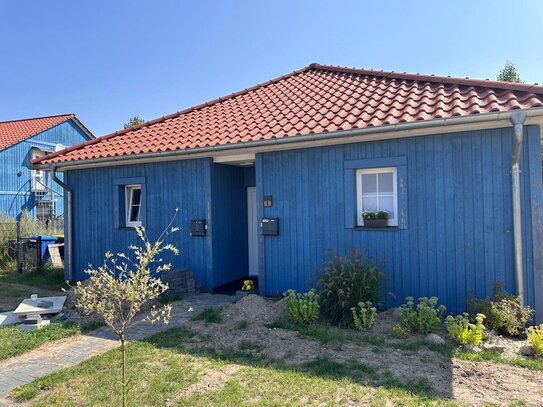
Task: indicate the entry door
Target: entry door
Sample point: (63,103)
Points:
(253,231)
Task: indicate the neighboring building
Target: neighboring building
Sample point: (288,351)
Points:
(22,141)
(312,150)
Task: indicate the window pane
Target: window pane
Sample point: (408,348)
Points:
(386,203)
(135,213)
(386,182)
(369,183)
(136,196)
(369,204)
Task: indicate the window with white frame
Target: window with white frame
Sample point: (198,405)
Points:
(376,191)
(38,176)
(133,205)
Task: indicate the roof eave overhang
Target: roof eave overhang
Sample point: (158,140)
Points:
(385,132)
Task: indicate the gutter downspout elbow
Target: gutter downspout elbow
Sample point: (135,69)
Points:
(68,225)
(517,119)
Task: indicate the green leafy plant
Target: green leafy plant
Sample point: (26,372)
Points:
(509,316)
(364,316)
(401,332)
(302,308)
(463,331)
(484,305)
(372,215)
(343,283)
(535,338)
(123,285)
(504,312)
(425,317)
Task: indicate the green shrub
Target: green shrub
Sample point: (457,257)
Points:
(302,308)
(401,332)
(425,317)
(364,317)
(465,332)
(504,312)
(535,337)
(509,316)
(343,283)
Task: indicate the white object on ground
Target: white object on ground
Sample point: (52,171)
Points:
(8,318)
(43,306)
(34,322)
(434,339)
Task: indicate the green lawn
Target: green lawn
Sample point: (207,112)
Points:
(177,368)
(48,279)
(14,286)
(14,341)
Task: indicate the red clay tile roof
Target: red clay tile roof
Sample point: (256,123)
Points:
(316,99)
(15,131)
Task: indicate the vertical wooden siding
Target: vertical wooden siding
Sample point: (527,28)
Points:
(169,185)
(459,236)
(15,192)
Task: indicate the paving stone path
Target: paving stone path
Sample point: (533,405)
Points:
(23,369)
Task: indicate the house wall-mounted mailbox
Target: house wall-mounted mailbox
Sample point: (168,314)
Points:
(198,227)
(270,226)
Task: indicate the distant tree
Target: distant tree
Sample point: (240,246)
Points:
(133,122)
(509,73)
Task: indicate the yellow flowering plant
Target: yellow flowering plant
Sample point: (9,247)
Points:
(248,285)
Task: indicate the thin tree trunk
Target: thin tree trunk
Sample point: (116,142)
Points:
(123,371)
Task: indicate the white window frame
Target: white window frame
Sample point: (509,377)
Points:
(359,189)
(38,176)
(128,194)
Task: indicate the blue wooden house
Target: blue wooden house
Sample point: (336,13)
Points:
(27,139)
(269,180)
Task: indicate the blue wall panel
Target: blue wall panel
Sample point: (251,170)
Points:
(15,182)
(458,238)
(168,185)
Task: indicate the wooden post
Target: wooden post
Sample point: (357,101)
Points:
(19,248)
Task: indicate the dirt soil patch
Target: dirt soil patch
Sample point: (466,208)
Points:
(468,383)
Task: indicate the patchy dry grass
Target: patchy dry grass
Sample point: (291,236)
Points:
(14,341)
(173,368)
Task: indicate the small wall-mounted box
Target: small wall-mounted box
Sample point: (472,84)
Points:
(198,227)
(270,226)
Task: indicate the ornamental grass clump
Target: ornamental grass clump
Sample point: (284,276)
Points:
(425,317)
(302,308)
(463,331)
(343,283)
(364,316)
(123,285)
(535,338)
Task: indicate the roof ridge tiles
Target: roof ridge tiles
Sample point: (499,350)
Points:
(38,118)
(526,87)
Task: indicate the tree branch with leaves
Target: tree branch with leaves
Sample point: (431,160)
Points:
(123,285)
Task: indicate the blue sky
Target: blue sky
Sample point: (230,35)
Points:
(108,60)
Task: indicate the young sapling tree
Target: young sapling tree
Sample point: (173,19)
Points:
(124,284)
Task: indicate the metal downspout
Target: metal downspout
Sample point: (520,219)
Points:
(68,225)
(517,119)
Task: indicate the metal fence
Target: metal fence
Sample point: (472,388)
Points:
(21,241)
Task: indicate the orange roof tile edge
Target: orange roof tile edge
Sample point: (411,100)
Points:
(455,109)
